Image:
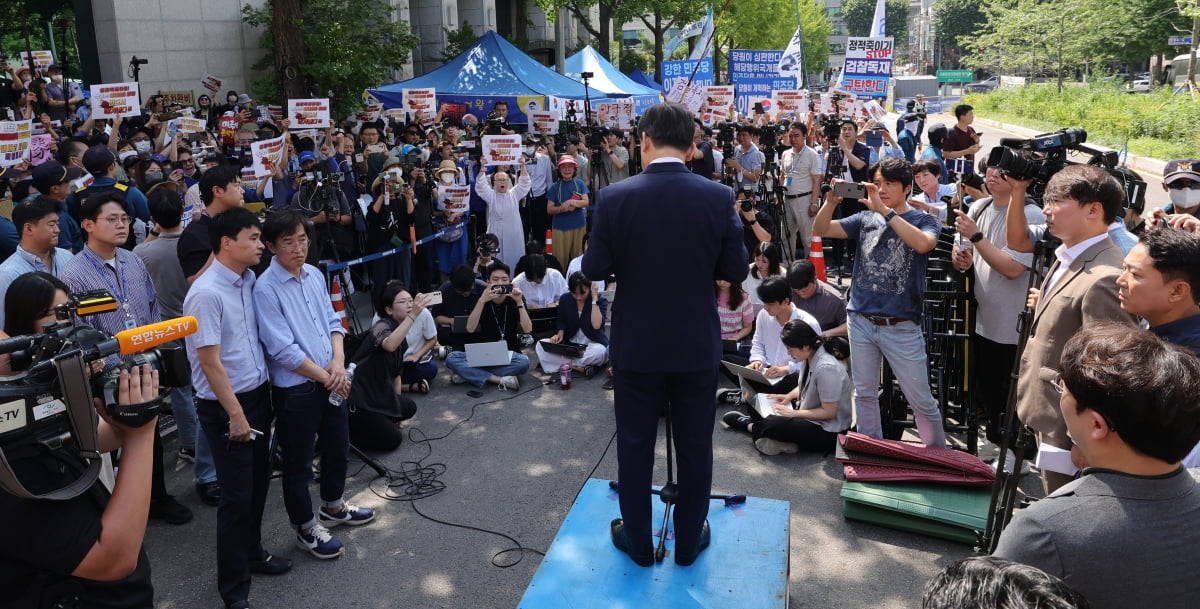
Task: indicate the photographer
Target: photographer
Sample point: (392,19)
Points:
(86,551)
(614,157)
(756,225)
(388,219)
(498,315)
(747,160)
(319,197)
(703,162)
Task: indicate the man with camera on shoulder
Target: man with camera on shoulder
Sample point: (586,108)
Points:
(86,550)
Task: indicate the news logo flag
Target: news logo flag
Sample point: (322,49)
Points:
(701,49)
(879,22)
(692,29)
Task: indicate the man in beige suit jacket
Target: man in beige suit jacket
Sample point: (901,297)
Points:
(1080,287)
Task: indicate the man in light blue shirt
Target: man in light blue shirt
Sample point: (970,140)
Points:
(302,337)
(747,160)
(38,224)
(229,372)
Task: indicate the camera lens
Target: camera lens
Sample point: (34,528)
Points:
(747,205)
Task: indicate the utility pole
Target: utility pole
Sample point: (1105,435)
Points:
(1192,59)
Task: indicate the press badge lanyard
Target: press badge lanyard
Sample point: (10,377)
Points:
(117,290)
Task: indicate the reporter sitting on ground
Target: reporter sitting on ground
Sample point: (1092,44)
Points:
(418,365)
(817,298)
(580,321)
(85,551)
(823,411)
(765,261)
(459,296)
(767,353)
(542,286)
(534,247)
(498,315)
(375,403)
(987,581)
(1123,533)
(735,314)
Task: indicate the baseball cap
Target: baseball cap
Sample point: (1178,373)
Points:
(54,67)
(98,159)
(50,173)
(307,155)
(1182,169)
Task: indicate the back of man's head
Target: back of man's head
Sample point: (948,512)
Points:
(987,581)
(668,125)
(1087,184)
(801,274)
(166,208)
(462,278)
(1175,255)
(535,268)
(33,212)
(230,223)
(1146,389)
(774,290)
(218,177)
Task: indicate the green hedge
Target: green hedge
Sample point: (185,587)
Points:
(1158,125)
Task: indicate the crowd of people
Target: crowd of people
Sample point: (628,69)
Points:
(161,222)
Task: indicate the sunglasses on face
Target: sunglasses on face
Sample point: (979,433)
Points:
(1184,184)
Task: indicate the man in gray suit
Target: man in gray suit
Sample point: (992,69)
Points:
(1080,288)
(1124,533)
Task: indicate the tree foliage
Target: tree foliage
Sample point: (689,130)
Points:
(609,11)
(347,46)
(859,13)
(458,41)
(769,24)
(956,22)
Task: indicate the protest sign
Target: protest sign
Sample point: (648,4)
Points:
(790,102)
(545,123)
(309,113)
(457,198)
(868,66)
(42,60)
(501,149)
(267,155)
(419,100)
(718,98)
(14,142)
(40,150)
(211,83)
(183,98)
(115,99)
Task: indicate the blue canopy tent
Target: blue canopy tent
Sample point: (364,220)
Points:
(608,80)
(491,70)
(641,78)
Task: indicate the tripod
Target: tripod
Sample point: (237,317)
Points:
(1016,437)
(835,167)
(669,493)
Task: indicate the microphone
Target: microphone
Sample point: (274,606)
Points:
(149,336)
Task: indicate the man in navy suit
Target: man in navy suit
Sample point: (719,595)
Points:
(665,213)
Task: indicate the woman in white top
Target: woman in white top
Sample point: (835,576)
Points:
(811,416)
(504,211)
(767,261)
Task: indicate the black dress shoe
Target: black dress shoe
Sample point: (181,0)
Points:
(209,492)
(270,564)
(169,510)
(685,557)
(622,542)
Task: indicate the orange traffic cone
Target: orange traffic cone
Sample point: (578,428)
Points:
(817,255)
(339,307)
(549,241)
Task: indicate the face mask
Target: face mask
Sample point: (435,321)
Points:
(202,169)
(153,176)
(1185,198)
(56,79)
(529,150)
(143,146)
(446,177)
(127,154)
(26,81)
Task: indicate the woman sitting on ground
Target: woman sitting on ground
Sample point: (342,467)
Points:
(823,410)
(418,365)
(736,314)
(375,403)
(767,262)
(580,321)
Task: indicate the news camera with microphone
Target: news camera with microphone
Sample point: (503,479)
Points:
(47,406)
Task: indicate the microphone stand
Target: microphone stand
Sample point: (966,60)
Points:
(669,493)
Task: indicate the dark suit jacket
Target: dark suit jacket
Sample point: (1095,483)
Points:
(1087,292)
(569,321)
(666,218)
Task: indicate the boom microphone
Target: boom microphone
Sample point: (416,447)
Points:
(149,336)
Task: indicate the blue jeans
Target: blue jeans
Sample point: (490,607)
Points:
(188,425)
(302,413)
(457,363)
(904,347)
(413,372)
(244,471)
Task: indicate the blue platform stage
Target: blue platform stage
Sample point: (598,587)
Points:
(746,565)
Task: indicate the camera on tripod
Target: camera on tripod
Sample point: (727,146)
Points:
(725,135)
(1037,158)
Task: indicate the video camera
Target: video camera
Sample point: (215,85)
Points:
(47,405)
(1037,158)
(725,135)
(494,123)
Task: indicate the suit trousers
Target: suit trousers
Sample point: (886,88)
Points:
(244,472)
(638,399)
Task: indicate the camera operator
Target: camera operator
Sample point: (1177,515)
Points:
(498,119)
(388,219)
(614,156)
(857,157)
(801,173)
(703,162)
(317,195)
(747,160)
(756,225)
(85,551)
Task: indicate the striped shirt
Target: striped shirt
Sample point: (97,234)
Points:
(733,320)
(126,278)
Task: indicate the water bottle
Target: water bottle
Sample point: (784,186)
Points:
(564,372)
(335,398)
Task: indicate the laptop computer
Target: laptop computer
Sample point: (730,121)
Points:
(764,405)
(460,324)
(565,349)
(751,374)
(480,355)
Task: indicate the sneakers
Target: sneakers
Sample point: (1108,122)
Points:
(1010,465)
(187,454)
(729,396)
(736,420)
(509,382)
(318,542)
(350,514)
(456,379)
(771,446)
